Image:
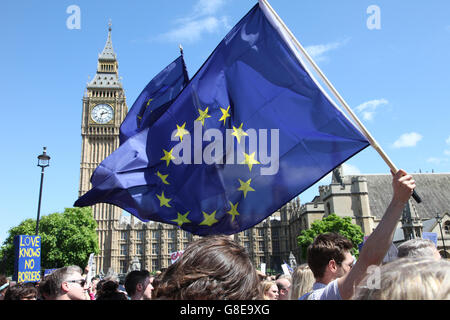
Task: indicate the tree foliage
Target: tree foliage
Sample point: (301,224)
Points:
(331,223)
(66,239)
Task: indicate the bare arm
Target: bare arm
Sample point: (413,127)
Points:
(378,243)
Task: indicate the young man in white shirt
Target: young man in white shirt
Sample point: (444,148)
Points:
(330,259)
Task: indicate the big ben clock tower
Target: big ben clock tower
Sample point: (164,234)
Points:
(104,109)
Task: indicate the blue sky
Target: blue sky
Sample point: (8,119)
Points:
(396,77)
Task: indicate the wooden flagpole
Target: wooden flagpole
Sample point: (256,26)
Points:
(341,100)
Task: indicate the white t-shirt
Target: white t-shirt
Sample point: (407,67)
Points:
(324,292)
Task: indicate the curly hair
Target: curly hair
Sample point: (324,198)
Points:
(211,268)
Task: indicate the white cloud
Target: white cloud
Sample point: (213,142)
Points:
(206,7)
(436,161)
(317,52)
(202,20)
(447,152)
(350,170)
(367,109)
(407,140)
(192,31)
(448,141)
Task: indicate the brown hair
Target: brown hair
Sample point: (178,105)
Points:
(211,268)
(133,278)
(21,290)
(327,247)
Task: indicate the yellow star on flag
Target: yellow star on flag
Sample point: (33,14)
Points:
(168,156)
(245,187)
(203,115)
(250,160)
(163,201)
(181,131)
(238,133)
(225,114)
(149,100)
(209,219)
(182,218)
(163,177)
(233,210)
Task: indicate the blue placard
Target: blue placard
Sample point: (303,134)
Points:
(27,261)
(49,271)
(430,236)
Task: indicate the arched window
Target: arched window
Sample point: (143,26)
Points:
(447,227)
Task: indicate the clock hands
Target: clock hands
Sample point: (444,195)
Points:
(102,114)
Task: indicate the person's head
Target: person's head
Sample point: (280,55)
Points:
(22,291)
(67,283)
(93,285)
(269,290)
(418,248)
(109,291)
(408,279)
(302,281)
(45,290)
(329,257)
(284,284)
(138,285)
(211,268)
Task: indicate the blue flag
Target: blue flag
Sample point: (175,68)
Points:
(154,100)
(249,133)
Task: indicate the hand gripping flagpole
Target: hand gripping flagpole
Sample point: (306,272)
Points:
(363,129)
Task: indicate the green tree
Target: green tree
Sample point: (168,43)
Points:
(331,223)
(66,239)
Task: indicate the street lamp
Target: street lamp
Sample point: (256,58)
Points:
(439,219)
(43,162)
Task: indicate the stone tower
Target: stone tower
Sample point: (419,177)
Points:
(104,109)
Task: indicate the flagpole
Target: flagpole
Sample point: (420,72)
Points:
(363,129)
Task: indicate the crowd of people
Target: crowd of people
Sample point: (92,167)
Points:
(217,268)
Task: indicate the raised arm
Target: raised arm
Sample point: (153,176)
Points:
(378,243)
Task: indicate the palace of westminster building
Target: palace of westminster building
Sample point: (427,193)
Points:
(123,238)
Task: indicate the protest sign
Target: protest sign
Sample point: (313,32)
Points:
(174,256)
(90,269)
(285,269)
(263,267)
(27,258)
(49,271)
(430,236)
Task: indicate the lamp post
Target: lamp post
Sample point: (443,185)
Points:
(43,162)
(439,219)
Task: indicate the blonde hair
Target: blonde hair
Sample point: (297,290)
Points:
(302,281)
(265,287)
(409,279)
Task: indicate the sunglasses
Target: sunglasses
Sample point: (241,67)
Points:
(81,282)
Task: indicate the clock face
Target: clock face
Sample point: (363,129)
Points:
(102,113)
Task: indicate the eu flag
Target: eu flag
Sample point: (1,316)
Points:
(249,133)
(154,100)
